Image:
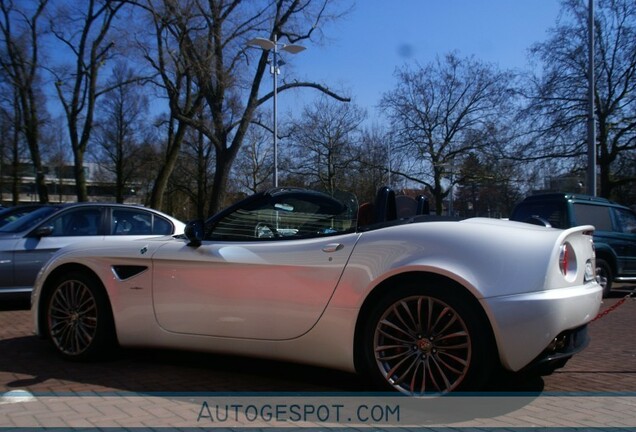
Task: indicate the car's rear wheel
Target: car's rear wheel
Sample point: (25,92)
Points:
(604,275)
(78,317)
(426,341)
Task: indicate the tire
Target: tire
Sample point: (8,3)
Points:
(79,320)
(420,341)
(604,276)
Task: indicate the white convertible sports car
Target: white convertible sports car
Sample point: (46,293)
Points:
(417,303)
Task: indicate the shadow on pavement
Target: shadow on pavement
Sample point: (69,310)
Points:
(162,371)
(30,363)
(8,304)
(174,371)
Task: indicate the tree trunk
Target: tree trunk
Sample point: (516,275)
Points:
(175,138)
(31,134)
(80,176)
(15,166)
(224,160)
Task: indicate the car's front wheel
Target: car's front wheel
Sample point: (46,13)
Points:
(426,341)
(78,317)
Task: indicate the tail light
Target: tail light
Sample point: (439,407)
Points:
(567,261)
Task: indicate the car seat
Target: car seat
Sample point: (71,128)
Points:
(385,208)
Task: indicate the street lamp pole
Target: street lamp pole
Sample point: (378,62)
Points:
(591,125)
(274,47)
(275,70)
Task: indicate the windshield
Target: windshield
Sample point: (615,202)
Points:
(285,214)
(29,221)
(14,213)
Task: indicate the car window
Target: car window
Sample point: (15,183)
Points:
(161,226)
(78,222)
(130,222)
(29,220)
(138,222)
(599,216)
(284,217)
(626,221)
(554,212)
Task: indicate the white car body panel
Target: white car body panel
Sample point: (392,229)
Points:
(551,311)
(291,300)
(260,290)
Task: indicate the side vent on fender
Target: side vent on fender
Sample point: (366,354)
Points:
(124,272)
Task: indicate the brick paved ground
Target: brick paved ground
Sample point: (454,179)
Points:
(84,398)
(607,365)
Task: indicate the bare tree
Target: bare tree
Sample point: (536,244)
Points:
(11,142)
(150,150)
(206,42)
(19,62)
(254,164)
(440,113)
(83,28)
(374,163)
(57,154)
(486,187)
(324,140)
(174,77)
(558,95)
(120,129)
(193,170)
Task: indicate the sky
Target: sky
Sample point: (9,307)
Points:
(362,51)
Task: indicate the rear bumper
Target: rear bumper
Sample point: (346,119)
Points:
(560,350)
(526,325)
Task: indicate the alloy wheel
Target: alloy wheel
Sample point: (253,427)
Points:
(72,317)
(422,345)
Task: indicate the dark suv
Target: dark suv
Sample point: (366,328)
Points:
(614,236)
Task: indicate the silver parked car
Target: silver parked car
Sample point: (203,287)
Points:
(29,241)
(417,304)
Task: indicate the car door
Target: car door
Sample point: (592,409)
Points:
(625,241)
(259,290)
(269,275)
(7,248)
(66,227)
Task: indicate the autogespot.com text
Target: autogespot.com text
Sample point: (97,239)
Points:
(303,413)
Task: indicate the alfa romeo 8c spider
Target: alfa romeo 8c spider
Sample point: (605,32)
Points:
(417,303)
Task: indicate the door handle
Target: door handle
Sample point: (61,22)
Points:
(332,247)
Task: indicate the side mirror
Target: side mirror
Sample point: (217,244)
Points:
(194,232)
(43,231)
